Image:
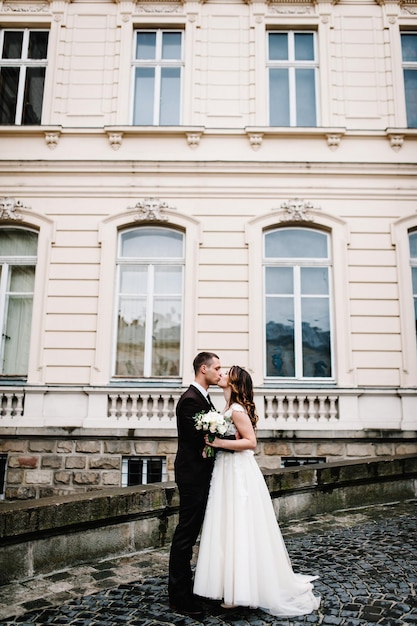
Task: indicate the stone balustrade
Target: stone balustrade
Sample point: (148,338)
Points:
(42,536)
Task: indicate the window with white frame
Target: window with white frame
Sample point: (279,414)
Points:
(18,250)
(292,77)
(143,470)
(150,300)
(409,53)
(157,68)
(22,75)
(297,304)
(413,259)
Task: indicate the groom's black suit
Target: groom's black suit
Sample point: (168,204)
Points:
(192,475)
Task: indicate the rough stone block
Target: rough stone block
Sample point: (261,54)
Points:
(36,445)
(359,450)
(23,461)
(104,462)
(75,462)
(86,478)
(166,447)
(304,449)
(89,447)
(276,448)
(13,445)
(406,448)
(384,449)
(52,461)
(330,449)
(145,448)
(111,478)
(62,477)
(38,477)
(118,447)
(65,447)
(20,493)
(14,476)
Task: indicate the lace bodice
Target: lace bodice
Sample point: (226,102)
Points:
(231,429)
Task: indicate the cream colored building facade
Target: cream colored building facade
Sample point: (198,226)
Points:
(223,175)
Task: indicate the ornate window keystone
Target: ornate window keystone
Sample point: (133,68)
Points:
(255,140)
(333,140)
(52,140)
(296,210)
(8,208)
(396,141)
(115,140)
(193,139)
(150,210)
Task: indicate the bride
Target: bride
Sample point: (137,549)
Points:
(242,557)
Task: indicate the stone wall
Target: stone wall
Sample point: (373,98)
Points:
(41,536)
(44,467)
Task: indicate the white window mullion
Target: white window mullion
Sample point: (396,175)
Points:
(20,94)
(298,336)
(147,365)
(144,471)
(3,312)
(157,96)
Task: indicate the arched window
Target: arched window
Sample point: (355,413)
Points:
(150,297)
(413,260)
(18,253)
(297,304)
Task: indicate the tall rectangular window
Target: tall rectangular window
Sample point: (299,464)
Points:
(292,70)
(409,53)
(297,304)
(157,65)
(18,250)
(22,75)
(149,317)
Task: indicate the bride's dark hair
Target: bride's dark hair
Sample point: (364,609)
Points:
(242,391)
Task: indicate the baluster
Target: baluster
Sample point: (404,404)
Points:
(113,404)
(333,407)
(123,408)
(290,409)
(311,412)
(135,407)
(280,408)
(268,407)
(18,410)
(8,409)
(322,408)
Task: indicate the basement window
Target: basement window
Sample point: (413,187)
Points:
(143,470)
(294,461)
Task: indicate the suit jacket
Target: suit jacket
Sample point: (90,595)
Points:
(190,467)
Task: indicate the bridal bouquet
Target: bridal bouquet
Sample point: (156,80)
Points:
(213,423)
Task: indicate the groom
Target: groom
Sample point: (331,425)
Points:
(192,475)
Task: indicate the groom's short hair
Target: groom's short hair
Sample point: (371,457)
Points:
(203,358)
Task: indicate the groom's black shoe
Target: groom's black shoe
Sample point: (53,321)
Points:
(191,607)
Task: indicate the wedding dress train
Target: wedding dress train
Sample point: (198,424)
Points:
(242,557)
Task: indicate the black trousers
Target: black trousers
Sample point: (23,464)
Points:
(193,501)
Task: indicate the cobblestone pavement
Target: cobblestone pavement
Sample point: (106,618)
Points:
(366,560)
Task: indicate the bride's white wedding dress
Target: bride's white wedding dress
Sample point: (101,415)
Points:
(242,557)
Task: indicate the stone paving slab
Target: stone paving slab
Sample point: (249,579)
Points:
(366,560)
